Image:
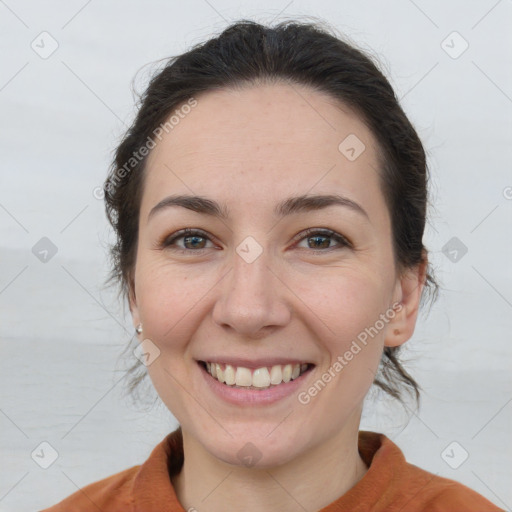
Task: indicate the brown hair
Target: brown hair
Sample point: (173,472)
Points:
(247,53)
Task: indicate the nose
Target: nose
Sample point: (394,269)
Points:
(252,300)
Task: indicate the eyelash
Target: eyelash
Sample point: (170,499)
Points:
(166,243)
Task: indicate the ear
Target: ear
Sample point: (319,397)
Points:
(407,294)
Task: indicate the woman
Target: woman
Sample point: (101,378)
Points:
(269,203)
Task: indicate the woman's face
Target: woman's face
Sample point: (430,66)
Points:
(254,289)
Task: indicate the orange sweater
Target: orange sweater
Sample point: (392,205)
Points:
(390,484)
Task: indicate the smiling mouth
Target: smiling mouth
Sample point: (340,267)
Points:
(259,378)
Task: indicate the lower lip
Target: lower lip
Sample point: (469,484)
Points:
(240,396)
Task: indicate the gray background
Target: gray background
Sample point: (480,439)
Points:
(63,332)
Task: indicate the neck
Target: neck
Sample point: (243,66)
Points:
(311,481)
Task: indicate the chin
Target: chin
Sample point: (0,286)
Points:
(252,449)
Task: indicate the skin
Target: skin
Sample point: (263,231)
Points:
(249,149)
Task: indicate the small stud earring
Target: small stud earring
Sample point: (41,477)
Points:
(396,331)
(138,329)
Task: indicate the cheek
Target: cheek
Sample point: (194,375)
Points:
(170,308)
(339,303)
(345,302)
(169,298)
(348,306)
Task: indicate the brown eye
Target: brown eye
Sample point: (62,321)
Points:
(193,240)
(321,239)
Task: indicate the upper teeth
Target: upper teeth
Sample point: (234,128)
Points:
(259,378)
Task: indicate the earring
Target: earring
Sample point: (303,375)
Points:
(396,331)
(138,329)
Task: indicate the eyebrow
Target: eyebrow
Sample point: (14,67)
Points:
(290,206)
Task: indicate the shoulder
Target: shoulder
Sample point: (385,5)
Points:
(112,493)
(392,483)
(142,487)
(441,494)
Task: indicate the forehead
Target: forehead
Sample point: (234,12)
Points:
(268,140)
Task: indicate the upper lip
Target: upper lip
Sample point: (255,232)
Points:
(253,363)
